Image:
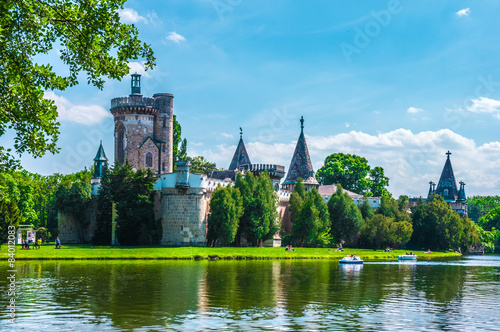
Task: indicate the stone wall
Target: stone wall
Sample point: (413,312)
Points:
(70,232)
(184,220)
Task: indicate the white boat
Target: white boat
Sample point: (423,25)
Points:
(407,257)
(350,260)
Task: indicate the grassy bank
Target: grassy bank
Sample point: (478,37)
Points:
(97,252)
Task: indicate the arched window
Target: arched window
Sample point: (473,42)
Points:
(120,144)
(149,159)
(446,192)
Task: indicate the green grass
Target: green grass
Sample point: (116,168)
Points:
(106,252)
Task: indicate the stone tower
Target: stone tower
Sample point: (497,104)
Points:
(300,166)
(144,129)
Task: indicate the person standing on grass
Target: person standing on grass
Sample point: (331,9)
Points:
(58,243)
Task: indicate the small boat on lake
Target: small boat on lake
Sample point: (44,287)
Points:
(351,260)
(407,257)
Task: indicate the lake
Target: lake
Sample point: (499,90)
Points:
(460,294)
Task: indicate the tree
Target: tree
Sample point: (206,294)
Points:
(297,201)
(366,209)
(73,196)
(378,230)
(104,213)
(490,220)
(391,208)
(200,165)
(133,194)
(479,206)
(10,217)
(437,226)
(345,216)
(379,182)
(354,174)
(260,220)
(312,221)
(91,40)
(226,208)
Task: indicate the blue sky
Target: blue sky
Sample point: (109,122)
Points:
(397,82)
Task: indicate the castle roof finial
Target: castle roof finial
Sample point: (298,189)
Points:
(448,154)
(241,132)
(301,124)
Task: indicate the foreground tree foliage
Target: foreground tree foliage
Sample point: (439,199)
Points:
(479,206)
(346,219)
(226,208)
(133,193)
(90,40)
(260,219)
(353,173)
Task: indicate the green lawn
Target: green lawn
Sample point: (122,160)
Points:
(105,252)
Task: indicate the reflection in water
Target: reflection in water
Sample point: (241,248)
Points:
(256,295)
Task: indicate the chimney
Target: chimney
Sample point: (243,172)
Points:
(182,174)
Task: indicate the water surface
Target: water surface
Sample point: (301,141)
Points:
(452,294)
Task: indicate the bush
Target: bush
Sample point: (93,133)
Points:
(43,233)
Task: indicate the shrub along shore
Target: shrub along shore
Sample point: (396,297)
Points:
(88,252)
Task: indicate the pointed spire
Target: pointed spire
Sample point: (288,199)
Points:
(431,189)
(100,154)
(100,161)
(301,166)
(461,194)
(240,157)
(447,186)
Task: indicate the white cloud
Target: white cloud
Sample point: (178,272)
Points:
(409,159)
(175,37)
(153,18)
(84,114)
(414,110)
(138,67)
(463,12)
(128,15)
(226,135)
(485,105)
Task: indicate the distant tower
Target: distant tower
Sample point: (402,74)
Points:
(240,157)
(300,166)
(100,162)
(143,129)
(447,187)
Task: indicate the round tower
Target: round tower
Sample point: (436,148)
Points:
(143,129)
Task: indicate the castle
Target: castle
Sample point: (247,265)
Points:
(143,136)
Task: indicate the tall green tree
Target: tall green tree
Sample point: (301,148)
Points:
(73,197)
(10,216)
(226,208)
(133,194)
(91,41)
(353,173)
(104,213)
(345,216)
(260,220)
(366,210)
(479,206)
(491,219)
(296,202)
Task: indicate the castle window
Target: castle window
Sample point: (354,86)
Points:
(164,123)
(163,166)
(149,159)
(446,192)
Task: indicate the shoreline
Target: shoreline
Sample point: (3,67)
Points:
(96,253)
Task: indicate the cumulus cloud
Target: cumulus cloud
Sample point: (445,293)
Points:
(175,37)
(226,135)
(463,12)
(485,105)
(84,114)
(409,159)
(128,15)
(138,67)
(414,110)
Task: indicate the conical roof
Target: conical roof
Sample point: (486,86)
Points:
(301,166)
(447,186)
(240,157)
(100,156)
